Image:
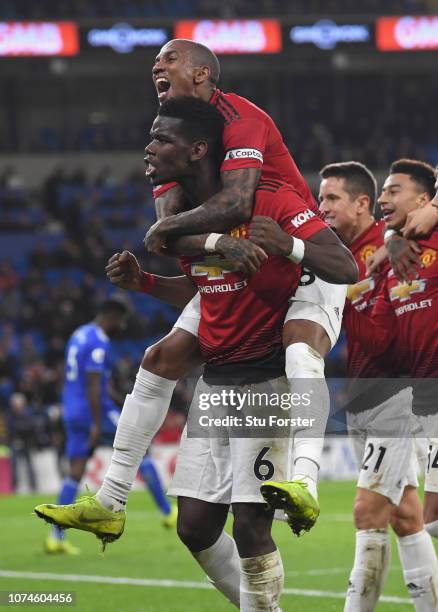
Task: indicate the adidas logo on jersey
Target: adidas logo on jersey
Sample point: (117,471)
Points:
(302,217)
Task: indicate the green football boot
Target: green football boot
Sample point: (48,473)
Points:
(86,514)
(299,505)
(169,521)
(53,546)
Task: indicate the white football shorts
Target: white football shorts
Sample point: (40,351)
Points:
(387,464)
(226,470)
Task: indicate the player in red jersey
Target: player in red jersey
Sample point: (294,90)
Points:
(387,484)
(240,330)
(255,154)
(401,327)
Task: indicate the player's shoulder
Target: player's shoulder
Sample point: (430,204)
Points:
(281,198)
(95,335)
(274,188)
(234,107)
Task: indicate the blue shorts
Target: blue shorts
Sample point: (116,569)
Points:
(78,435)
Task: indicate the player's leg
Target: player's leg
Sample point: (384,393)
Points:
(262,575)
(151,478)
(200,527)
(416,551)
(145,408)
(384,466)
(254,460)
(311,329)
(202,482)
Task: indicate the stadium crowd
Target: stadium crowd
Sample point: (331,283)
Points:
(20,9)
(51,282)
(329,119)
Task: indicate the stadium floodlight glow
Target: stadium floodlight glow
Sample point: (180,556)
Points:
(326,34)
(407,33)
(233,35)
(123,37)
(29,38)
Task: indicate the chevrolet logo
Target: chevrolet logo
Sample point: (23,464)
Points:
(213,267)
(403,291)
(357,291)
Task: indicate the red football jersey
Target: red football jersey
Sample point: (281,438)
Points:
(252,140)
(242,317)
(407,315)
(363,295)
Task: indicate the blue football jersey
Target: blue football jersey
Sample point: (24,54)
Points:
(86,351)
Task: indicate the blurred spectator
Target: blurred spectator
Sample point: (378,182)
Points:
(21,431)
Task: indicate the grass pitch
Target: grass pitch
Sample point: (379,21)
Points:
(149,570)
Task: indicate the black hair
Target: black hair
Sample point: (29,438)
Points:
(200,121)
(419,172)
(358,179)
(114,305)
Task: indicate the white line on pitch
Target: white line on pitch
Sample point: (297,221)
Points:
(327,571)
(177,584)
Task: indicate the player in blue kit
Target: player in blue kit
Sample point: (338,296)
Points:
(90,414)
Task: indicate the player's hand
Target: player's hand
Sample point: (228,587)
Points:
(243,254)
(95,436)
(267,234)
(155,238)
(420,222)
(123,270)
(404,257)
(374,262)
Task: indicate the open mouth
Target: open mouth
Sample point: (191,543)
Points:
(162,85)
(150,169)
(388,215)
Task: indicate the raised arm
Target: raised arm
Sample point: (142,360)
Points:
(124,271)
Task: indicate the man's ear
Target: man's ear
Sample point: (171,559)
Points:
(201,74)
(423,199)
(199,150)
(363,204)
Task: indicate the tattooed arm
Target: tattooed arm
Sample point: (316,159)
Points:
(230,207)
(245,256)
(404,257)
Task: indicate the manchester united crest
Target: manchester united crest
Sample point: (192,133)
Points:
(427,257)
(367,251)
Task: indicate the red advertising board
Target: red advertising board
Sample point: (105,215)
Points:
(38,38)
(407,33)
(233,35)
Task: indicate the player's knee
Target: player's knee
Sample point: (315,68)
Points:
(407,518)
(406,525)
(302,331)
(430,507)
(371,512)
(159,360)
(193,536)
(173,356)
